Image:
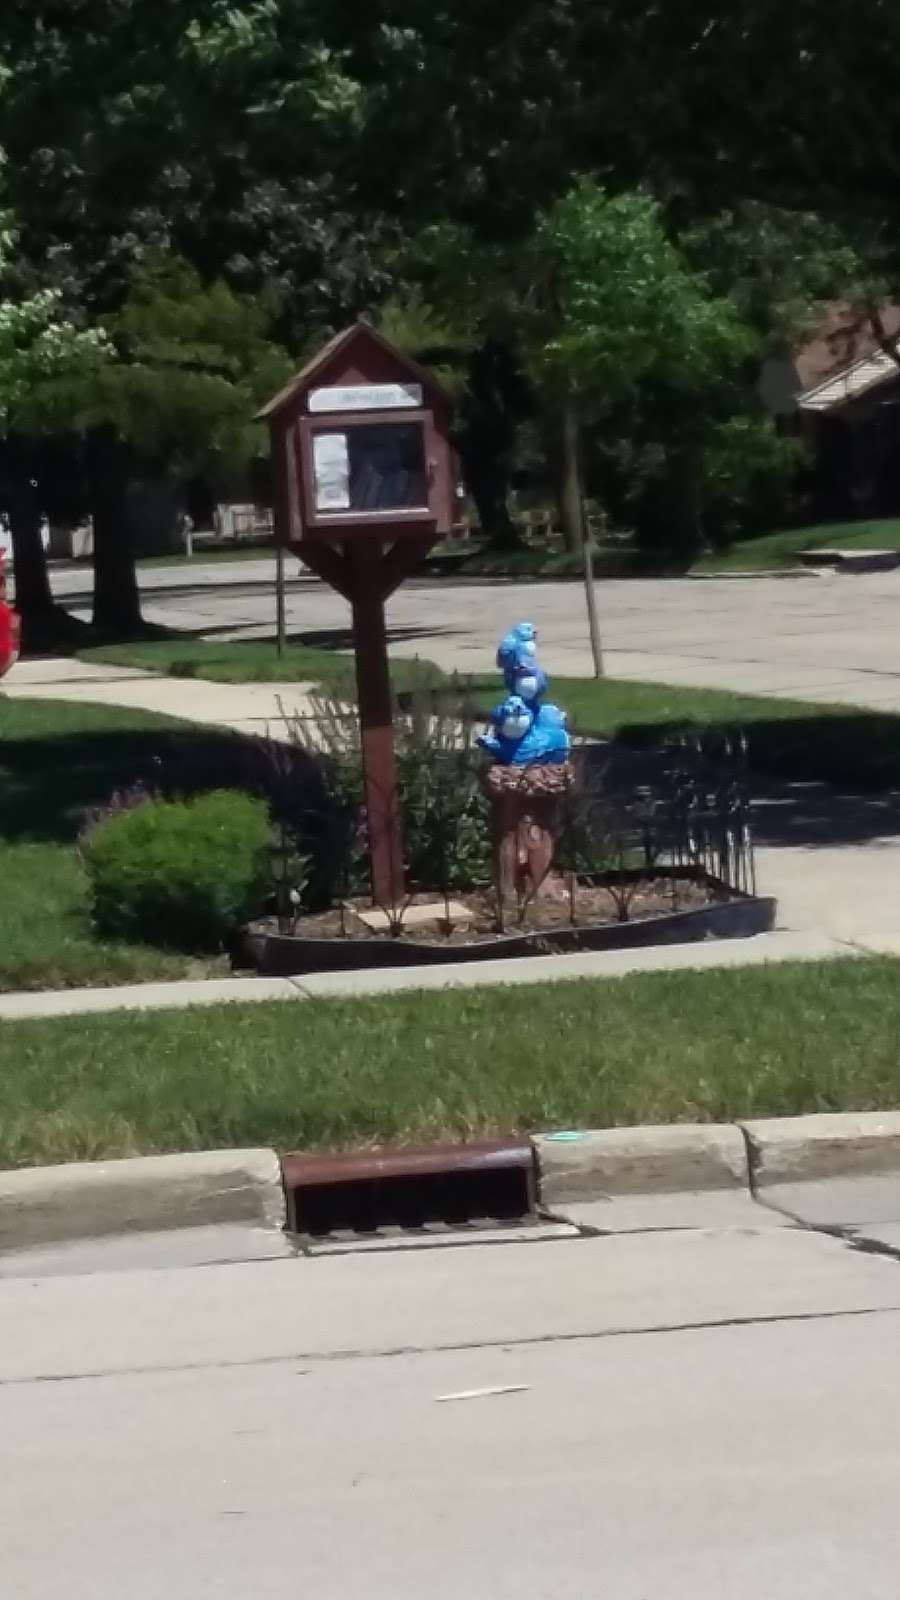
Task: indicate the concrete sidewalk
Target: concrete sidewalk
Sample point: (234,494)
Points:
(706,956)
(260,708)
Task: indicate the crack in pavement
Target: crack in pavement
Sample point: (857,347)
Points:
(333,1357)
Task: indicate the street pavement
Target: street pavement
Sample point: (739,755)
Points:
(821,637)
(703,1412)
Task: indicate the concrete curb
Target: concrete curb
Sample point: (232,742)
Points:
(808,1149)
(753,1156)
(50,1205)
(646,1160)
(243,1188)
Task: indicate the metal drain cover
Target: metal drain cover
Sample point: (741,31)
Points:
(423,1191)
(530,1230)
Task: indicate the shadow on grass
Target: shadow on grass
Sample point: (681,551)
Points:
(851,749)
(74,636)
(48,782)
(317,638)
(342,638)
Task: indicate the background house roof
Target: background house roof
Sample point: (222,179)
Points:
(843,358)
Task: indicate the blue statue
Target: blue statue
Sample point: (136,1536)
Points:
(523,728)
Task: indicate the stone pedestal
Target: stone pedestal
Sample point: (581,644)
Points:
(525,802)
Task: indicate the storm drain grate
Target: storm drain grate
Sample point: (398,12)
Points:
(429,1191)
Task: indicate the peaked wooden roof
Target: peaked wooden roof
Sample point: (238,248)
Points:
(305,378)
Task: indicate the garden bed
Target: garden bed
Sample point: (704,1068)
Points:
(665,907)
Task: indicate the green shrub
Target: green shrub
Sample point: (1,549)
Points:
(180,873)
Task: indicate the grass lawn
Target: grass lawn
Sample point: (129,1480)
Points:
(57,759)
(791,739)
(535,559)
(209,554)
(476,559)
(244,661)
(778,550)
(331,1073)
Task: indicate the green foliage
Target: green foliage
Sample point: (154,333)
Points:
(617,304)
(747,470)
(188,365)
(772,551)
(329,158)
(443,810)
(213,127)
(429,336)
(181,874)
(48,941)
(38,342)
(248,661)
(778,266)
(58,763)
(445,816)
(687,476)
(657,365)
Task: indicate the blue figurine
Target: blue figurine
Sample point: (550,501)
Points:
(517,660)
(524,730)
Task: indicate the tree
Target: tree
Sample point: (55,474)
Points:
(187,367)
(39,345)
(614,304)
(212,129)
(779,267)
(291,141)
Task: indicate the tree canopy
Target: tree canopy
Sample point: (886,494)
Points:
(615,207)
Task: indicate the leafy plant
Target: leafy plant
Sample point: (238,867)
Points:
(444,813)
(181,873)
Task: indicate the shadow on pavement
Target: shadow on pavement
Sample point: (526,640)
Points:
(801,812)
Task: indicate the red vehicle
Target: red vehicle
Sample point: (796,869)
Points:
(9,626)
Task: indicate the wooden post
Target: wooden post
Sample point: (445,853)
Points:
(373,686)
(590,596)
(578,535)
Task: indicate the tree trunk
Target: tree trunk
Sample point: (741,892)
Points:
(487,484)
(33,597)
(487,439)
(571,493)
(574,530)
(42,621)
(117,607)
